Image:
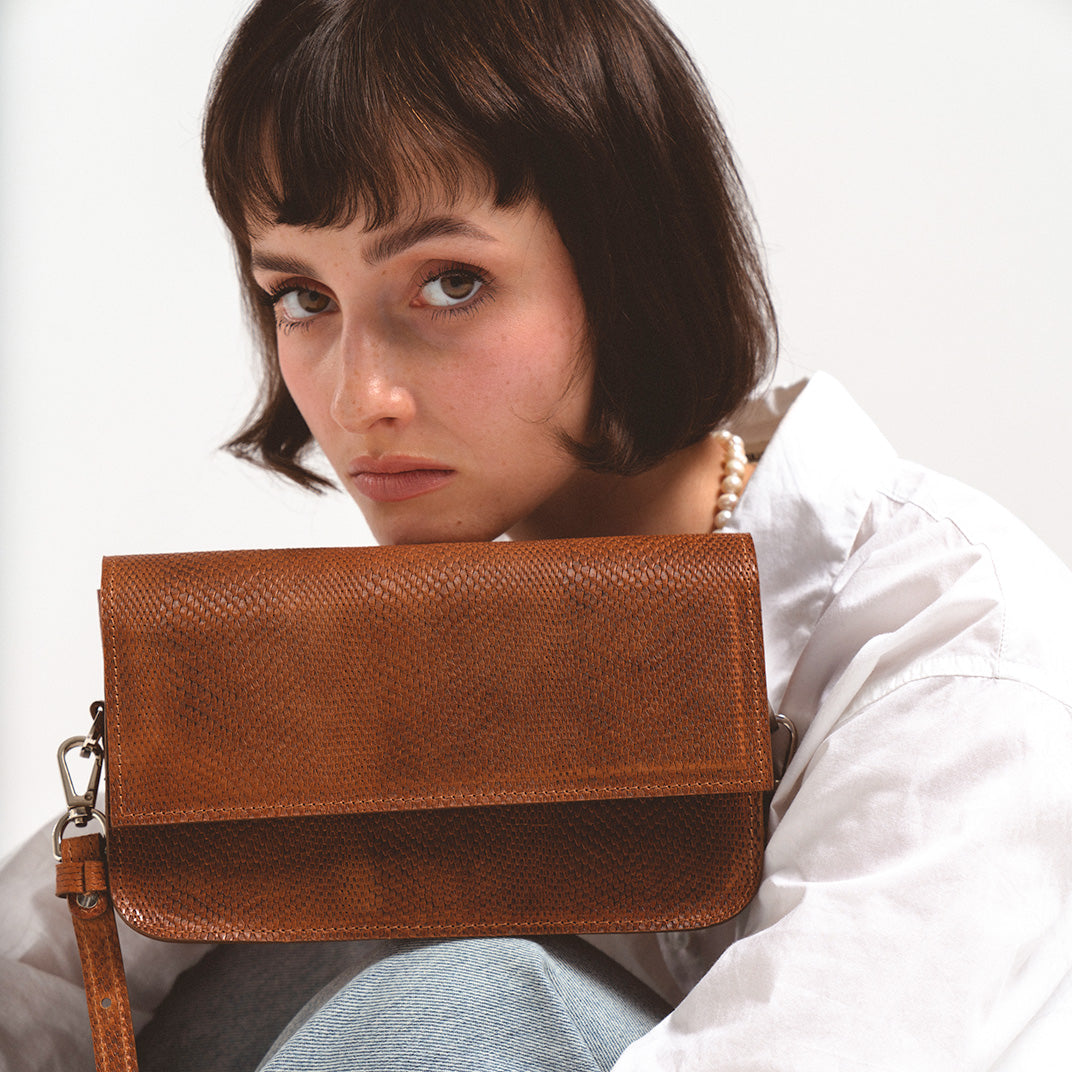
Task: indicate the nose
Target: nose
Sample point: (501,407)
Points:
(369,388)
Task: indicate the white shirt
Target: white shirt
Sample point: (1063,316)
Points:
(916,905)
(915,910)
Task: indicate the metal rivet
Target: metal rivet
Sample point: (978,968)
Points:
(106,1003)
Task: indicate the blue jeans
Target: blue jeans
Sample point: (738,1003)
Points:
(501,1004)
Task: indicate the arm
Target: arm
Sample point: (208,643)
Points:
(916,907)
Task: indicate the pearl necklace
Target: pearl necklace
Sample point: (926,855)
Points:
(733,470)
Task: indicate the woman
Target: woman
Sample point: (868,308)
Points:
(504,277)
(474,142)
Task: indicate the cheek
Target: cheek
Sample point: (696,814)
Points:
(304,388)
(536,370)
(559,378)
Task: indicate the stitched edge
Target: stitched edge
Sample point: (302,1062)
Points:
(373,804)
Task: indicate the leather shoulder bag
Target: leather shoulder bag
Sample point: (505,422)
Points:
(436,741)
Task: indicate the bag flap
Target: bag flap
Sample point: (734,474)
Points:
(323,681)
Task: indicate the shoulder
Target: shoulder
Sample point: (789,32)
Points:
(877,572)
(975,590)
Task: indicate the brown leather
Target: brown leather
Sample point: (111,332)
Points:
(102,960)
(435,740)
(80,876)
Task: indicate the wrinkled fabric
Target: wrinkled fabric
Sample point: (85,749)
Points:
(916,903)
(44,1024)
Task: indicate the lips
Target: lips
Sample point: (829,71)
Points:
(395,478)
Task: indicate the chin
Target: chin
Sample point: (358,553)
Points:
(391,533)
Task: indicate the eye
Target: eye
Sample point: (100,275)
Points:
(455,286)
(301,303)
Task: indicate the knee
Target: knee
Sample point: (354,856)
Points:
(472,965)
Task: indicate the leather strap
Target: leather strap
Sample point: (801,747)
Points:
(81,876)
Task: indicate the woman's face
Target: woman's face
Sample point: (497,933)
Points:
(437,361)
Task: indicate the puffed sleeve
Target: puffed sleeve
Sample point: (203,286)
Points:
(915,910)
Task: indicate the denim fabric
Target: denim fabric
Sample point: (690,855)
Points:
(478,1005)
(224,1013)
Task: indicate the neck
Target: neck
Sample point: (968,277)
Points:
(676,496)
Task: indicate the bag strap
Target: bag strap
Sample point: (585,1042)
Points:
(81,877)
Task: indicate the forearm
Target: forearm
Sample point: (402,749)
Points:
(914,911)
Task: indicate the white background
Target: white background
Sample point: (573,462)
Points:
(910,166)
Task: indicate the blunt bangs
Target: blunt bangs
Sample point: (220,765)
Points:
(325,110)
(353,118)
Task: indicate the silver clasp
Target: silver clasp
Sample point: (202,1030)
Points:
(782,722)
(82,807)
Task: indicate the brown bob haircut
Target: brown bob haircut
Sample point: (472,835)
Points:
(322,110)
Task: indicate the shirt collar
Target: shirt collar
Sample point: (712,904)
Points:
(822,461)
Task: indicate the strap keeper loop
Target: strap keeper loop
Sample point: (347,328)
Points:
(80,877)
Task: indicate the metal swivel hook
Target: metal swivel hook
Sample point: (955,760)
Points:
(82,807)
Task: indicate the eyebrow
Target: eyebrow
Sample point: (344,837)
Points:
(401,238)
(394,242)
(271,262)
